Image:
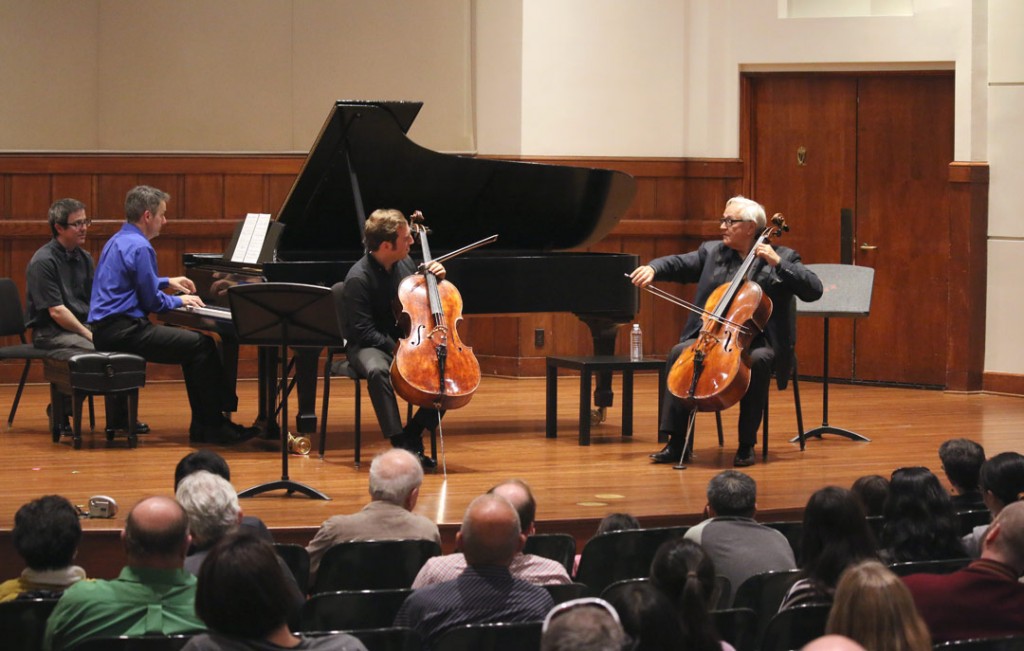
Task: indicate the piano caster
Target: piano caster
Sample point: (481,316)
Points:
(598,416)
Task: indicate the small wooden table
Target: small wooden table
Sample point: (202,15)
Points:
(587,366)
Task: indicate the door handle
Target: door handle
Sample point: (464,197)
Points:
(867,247)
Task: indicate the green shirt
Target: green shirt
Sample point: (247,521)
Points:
(141,601)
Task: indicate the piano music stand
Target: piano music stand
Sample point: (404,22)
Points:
(284,314)
(847,294)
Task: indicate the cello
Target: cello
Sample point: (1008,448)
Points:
(432,367)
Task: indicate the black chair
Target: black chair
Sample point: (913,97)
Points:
(384,639)
(342,367)
(737,626)
(973,518)
(352,609)
(373,564)
(140,643)
(522,636)
(794,627)
(297,559)
(23,622)
(792,530)
(608,594)
(12,324)
(943,566)
(763,593)
(1009,643)
(562,592)
(559,547)
(618,555)
(877,523)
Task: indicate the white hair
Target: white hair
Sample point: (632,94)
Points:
(750,210)
(394,475)
(211,504)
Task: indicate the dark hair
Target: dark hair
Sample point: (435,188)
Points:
(140,199)
(962,459)
(920,523)
(686,575)
(382,226)
(1003,476)
(871,490)
(47,532)
(617,522)
(732,492)
(142,542)
(647,616)
(835,535)
(207,460)
(242,589)
(61,210)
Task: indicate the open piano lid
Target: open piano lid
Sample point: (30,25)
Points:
(362,160)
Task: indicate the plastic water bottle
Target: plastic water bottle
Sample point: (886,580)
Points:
(636,344)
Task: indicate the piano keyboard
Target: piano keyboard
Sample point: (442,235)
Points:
(209,312)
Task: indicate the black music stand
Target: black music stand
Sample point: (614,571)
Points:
(285,315)
(847,294)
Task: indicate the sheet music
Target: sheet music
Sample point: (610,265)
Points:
(251,238)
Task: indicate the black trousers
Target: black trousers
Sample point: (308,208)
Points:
(195,352)
(675,415)
(375,365)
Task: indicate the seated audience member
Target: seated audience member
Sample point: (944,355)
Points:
(609,523)
(920,524)
(210,461)
(213,511)
(587,624)
(738,546)
(243,596)
(528,567)
(874,608)
(153,595)
(871,490)
(685,574)
(985,599)
(395,480)
(835,535)
(648,618)
(1001,482)
(961,461)
(46,536)
(486,591)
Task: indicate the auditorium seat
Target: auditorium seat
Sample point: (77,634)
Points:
(373,564)
(520,636)
(618,555)
(794,627)
(23,622)
(352,609)
(559,547)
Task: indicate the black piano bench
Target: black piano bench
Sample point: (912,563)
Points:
(81,375)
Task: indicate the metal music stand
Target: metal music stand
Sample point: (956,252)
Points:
(847,295)
(285,315)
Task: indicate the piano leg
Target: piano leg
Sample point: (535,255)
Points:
(307,362)
(603,330)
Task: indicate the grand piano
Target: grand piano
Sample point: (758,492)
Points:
(363,160)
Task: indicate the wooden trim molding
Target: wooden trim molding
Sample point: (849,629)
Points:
(1003,383)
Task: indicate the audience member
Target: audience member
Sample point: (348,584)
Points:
(871,490)
(874,608)
(206,459)
(609,523)
(528,567)
(985,599)
(153,595)
(832,643)
(738,546)
(648,617)
(1001,482)
(685,574)
(920,524)
(586,624)
(46,536)
(395,479)
(213,511)
(835,535)
(486,591)
(961,461)
(244,597)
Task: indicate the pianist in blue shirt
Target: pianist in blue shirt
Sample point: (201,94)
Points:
(127,288)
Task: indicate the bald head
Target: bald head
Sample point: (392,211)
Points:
(490,533)
(395,477)
(1004,540)
(832,643)
(156,533)
(518,493)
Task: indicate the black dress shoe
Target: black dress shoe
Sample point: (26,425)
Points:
(425,461)
(227,433)
(140,428)
(668,454)
(744,457)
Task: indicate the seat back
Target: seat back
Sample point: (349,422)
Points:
(352,609)
(794,627)
(12,318)
(1009,643)
(386,639)
(141,643)
(297,559)
(763,593)
(792,530)
(737,626)
(337,292)
(618,555)
(973,518)
(23,622)
(559,547)
(520,636)
(943,566)
(373,564)
(562,592)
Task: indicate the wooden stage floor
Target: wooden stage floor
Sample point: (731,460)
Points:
(500,434)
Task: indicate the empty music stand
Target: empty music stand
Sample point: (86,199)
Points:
(847,294)
(284,314)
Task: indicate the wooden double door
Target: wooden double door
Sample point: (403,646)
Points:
(859,164)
